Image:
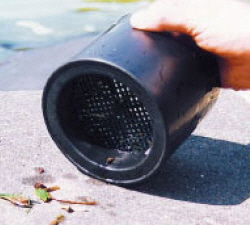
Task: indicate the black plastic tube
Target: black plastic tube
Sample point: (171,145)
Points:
(124,104)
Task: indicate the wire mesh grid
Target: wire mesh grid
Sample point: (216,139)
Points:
(109,114)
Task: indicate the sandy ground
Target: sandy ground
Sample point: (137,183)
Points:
(206,182)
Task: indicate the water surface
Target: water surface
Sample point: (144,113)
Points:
(29,24)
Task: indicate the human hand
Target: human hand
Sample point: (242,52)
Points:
(221,27)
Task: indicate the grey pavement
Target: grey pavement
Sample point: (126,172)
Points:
(206,182)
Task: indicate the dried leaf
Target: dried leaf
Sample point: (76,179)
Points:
(53,188)
(110,160)
(75,208)
(68,209)
(58,220)
(43,194)
(17,200)
(39,185)
(48,189)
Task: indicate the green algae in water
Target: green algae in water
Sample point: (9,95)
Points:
(88,9)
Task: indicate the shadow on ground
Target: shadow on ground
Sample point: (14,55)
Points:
(204,170)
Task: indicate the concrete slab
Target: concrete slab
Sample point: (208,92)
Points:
(29,70)
(206,182)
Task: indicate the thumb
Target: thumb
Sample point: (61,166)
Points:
(160,17)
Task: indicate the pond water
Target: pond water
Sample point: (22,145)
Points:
(29,24)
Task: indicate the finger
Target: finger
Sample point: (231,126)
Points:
(160,16)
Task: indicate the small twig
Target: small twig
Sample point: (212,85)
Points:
(58,220)
(17,200)
(75,202)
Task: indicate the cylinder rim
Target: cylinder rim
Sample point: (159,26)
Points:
(137,172)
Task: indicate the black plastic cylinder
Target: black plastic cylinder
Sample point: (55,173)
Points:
(124,104)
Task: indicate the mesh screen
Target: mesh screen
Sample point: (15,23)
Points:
(108,114)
